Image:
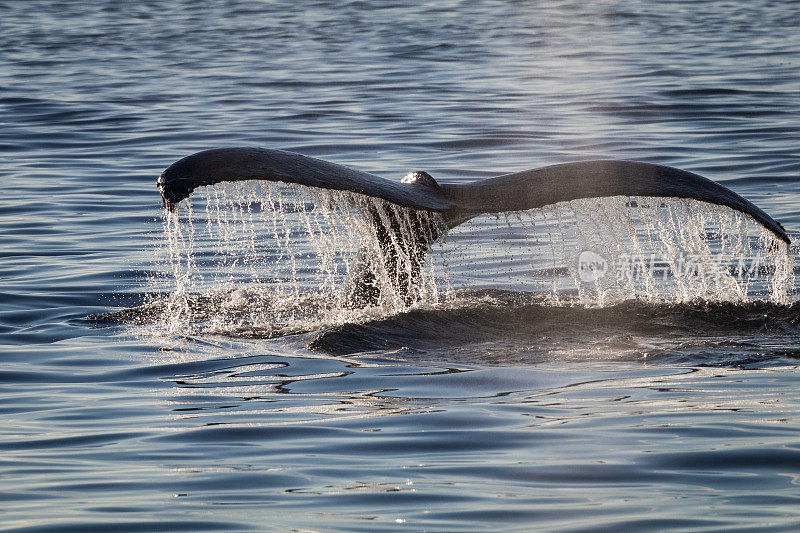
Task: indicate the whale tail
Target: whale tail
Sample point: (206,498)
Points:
(403,237)
(410,238)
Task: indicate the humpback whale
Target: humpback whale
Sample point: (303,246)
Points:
(455,203)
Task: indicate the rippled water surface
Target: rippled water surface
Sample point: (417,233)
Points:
(493,408)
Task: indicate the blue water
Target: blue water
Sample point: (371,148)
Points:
(496,413)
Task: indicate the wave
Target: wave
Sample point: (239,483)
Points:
(494,326)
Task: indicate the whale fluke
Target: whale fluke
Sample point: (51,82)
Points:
(592,179)
(456,203)
(241,164)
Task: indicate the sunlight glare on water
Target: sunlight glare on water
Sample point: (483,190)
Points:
(202,372)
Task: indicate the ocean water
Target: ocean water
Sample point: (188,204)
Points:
(506,399)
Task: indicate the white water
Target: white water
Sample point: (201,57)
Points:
(600,251)
(268,259)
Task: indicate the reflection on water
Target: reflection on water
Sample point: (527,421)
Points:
(278,435)
(489,411)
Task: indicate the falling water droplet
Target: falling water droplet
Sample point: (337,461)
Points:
(265,259)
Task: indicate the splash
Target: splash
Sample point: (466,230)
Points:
(269,259)
(601,251)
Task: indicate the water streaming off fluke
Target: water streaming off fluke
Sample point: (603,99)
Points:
(266,259)
(601,251)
